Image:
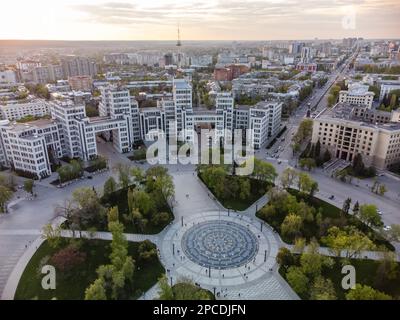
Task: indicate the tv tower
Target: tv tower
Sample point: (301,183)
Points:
(178,43)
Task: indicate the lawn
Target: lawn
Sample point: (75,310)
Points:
(332,212)
(366,274)
(72,287)
(258,188)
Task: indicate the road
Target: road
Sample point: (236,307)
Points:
(318,101)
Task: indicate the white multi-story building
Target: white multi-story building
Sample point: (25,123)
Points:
(8,77)
(71,133)
(28,147)
(264,119)
(387,86)
(14,110)
(357,94)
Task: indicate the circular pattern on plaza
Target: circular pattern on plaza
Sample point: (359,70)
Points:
(219,244)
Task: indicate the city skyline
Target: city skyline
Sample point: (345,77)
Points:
(207,20)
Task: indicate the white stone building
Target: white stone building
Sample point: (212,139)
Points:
(357,94)
(346,130)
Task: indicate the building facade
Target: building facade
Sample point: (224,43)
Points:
(71,133)
(357,94)
(14,110)
(348,130)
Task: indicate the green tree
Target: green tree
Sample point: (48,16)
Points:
(114,276)
(382,189)
(307,185)
(297,280)
(264,171)
(369,215)
(346,206)
(110,186)
(123,175)
(308,163)
(284,257)
(364,292)
(160,218)
(96,291)
(165,292)
(350,240)
(137,174)
(356,208)
(141,200)
(113,215)
(244,188)
(303,132)
(288,177)
(86,209)
(52,235)
(291,225)
(28,186)
(322,289)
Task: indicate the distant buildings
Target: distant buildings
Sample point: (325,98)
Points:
(230,72)
(307,67)
(8,76)
(305,55)
(46,74)
(387,86)
(78,66)
(80,83)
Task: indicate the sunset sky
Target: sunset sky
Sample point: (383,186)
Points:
(199,20)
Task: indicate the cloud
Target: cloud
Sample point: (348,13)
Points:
(240,15)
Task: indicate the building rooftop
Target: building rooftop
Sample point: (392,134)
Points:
(358,89)
(345,112)
(19,126)
(181,84)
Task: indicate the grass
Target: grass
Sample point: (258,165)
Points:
(366,274)
(257,189)
(311,229)
(72,286)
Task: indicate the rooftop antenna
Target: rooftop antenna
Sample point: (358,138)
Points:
(178,43)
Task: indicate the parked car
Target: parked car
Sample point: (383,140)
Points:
(332,197)
(387,228)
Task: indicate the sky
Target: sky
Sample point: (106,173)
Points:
(198,19)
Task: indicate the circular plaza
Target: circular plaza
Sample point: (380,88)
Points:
(219,244)
(219,248)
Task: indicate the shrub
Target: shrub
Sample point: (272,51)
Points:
(68,258)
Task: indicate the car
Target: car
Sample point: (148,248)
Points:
(332,197)
(379,212)
(279,161)
(90,177)
(387,228)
